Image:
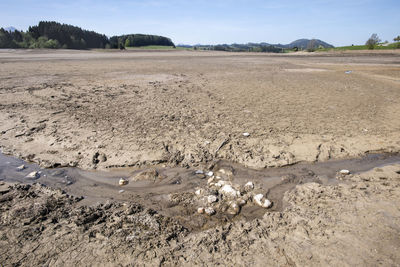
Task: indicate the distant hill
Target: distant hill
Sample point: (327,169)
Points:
(300,44)
(303,43)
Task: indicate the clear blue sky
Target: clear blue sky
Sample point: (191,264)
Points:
(218,21)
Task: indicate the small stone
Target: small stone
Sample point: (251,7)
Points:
(212,199)
(198,192)
(210,173)
(249,186)
(123,181)
(241,202)
(233,208)
(209,211)
(121,191)
(20,168)
(210,180)
(220,183)
(199,172)
(229,191)
(246,134)
(345,172)
(200,210)
(33,175)
(261,201)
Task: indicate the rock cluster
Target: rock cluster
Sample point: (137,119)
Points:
(224,196)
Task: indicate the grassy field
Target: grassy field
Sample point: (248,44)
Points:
(362,47)
(157,47)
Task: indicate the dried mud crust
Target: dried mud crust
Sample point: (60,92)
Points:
(102,110)
(354,223)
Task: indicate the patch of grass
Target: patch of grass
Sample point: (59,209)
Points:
(157,47)
(363,47)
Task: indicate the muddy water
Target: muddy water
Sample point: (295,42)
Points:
(102,186)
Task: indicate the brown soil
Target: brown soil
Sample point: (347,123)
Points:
(105,109)
(355,223)
(163,115)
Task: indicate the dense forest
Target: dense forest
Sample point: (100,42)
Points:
(135,40)
(50,34)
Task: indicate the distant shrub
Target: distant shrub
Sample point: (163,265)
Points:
(372,41)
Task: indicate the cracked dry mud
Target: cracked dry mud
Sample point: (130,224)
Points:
(168,111)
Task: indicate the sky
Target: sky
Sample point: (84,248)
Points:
(218,21)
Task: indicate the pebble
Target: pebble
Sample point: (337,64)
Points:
(123,181)
(209,211)
(234,208)
(212,199)
(249,186)
(20,168)
(261,201)
(345,172)
(220,183)
(121,191)
(200,210)
(241,202)
(246,134)
(198,192)
(209,173)
(210,180)
(229,191)
(33,175)
(199,172)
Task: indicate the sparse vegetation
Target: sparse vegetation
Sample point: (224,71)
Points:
(372,41)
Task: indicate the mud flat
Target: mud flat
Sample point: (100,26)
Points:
(108,109)
(154,141)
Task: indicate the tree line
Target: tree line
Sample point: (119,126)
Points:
(51,34)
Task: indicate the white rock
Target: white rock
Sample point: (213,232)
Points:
(233,208)
(121,191)
(199,172)
(261,201)
(246,134)
(210,180)
(20,168)
(198,192)
(209,173)
(212,199)
(228,191)
(33,175)
(123,181)
(209,211)
(249,186)
(241,202)
(220,183)
(200,210)
(345,172)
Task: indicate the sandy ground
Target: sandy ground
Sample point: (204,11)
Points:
(158,113)
(99,109)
